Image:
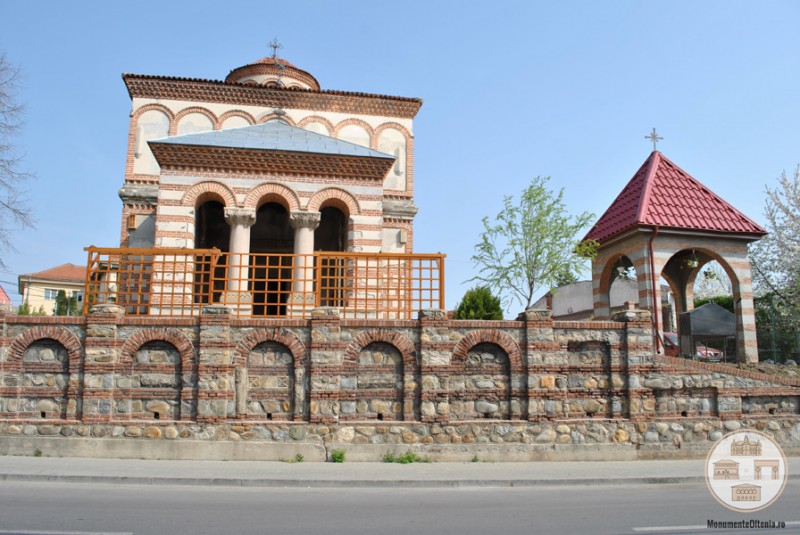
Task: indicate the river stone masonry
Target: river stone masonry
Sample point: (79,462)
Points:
(216,386)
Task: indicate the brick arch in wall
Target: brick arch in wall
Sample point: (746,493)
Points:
(489,336)
(334,197)
(317,119)
(275,117)
(173,127)
(163,334)
(606,277)
(272,192)
(234,113)
(365,338)
(357,122)
(259,336)
(206,189)
(22,341)
(390,126)
(152,107)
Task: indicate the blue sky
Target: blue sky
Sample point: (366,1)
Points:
(512,90)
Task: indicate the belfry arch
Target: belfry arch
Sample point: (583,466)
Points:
(669,225)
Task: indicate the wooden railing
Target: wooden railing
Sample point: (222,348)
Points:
(179,282)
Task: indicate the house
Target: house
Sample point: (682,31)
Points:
(4,299)
(575,302)
(39,290)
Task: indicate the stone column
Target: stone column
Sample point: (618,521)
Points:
(545,399)
(236,295)
(302,298)
(435,348)
(101,369)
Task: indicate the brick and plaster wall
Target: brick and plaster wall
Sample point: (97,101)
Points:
(235,388)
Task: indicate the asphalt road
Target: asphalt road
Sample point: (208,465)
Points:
(56,508)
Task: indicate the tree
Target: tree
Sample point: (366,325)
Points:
(776,258)
(479,304)
(65,306)
(14,212)
(712,282)
(531,245)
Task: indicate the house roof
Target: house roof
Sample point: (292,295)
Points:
(64,272)
(663,195)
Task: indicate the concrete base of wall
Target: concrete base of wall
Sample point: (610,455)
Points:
(271,451)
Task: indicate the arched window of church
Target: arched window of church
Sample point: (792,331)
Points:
(354,134)
(235,121)
(317,128)
(192,123)
(152,124)
(393,142)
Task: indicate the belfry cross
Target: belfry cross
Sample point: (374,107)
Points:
(275,46)
(655,138)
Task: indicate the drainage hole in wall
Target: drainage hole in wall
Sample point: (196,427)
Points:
(156,416)
(269,416)
(684,414)
(380,417)
(43,414)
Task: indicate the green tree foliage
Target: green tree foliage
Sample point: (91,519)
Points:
(25,310)
(725,301)
(65,306)
(479,304)
(531,244)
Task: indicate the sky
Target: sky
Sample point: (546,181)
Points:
(511,90)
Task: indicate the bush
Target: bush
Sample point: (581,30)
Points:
(337,456)
(479,304)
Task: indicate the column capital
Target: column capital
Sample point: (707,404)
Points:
(309,220)
(245,217)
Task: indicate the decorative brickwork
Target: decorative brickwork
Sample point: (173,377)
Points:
(206,190)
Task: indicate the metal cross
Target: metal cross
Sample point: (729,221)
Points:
(655,138)
(275,45)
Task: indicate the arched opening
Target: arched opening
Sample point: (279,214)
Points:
(698,278)
(483,388)
(44,381)
(210,231)
(271,246)
(624,285)
(331,235)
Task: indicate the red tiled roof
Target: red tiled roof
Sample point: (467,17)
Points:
(64,272)
(663,195)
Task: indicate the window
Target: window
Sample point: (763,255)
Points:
(50,294)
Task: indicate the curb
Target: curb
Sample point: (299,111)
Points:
(321,483)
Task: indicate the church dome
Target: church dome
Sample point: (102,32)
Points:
(272,72)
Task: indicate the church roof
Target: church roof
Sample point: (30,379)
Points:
(663,195)
(203,90)
(274,135)
(273,66)
(272,147)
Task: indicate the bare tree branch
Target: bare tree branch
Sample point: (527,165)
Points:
(14,211)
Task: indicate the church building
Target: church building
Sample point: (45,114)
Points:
(265,163)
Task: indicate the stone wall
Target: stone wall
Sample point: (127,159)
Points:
(531,388)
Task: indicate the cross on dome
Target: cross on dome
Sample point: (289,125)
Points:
(275,45)
(655,138)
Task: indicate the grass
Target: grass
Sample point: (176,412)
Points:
(405,458)
(337,456)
